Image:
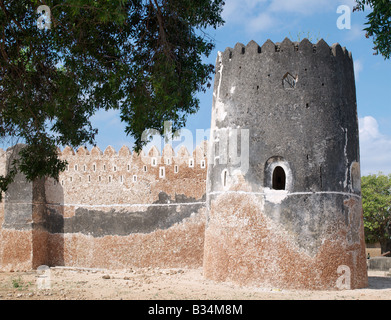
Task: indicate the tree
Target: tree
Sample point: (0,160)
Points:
(143,57)
(376,197)
(379,24)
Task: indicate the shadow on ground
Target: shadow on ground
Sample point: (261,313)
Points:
(378,283)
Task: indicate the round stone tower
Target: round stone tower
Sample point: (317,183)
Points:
(283,187)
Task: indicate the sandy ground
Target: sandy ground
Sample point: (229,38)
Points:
(161,284)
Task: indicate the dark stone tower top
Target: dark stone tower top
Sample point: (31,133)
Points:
(298,101)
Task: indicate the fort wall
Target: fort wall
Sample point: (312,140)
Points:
(275,201)
(112,210)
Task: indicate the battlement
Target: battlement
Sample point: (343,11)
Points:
(288,48)
(182,154)
(95,160)
(115,177)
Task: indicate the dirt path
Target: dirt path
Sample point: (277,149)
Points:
(161,284)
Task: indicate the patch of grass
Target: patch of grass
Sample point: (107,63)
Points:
(20,284)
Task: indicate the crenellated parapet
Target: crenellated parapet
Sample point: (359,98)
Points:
(286,68)
(168,152)
(286,48)
(131,170)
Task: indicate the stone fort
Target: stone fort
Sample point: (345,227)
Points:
(273,199)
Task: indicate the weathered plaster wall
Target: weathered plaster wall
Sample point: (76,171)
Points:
(123,209)
(23,240)
(109,209)
(297,104)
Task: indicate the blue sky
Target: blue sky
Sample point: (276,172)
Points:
(260,20)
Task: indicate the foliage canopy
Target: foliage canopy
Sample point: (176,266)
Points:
(376,197)
(142,57)
(379,24)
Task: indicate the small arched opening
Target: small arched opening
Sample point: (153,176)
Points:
(278,174)
(279,179)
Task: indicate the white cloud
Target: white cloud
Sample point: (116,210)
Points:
(237,10)
(350,3)
(266,15)
(375,147)
(301,6)
(263,22)
(358,67)
(355,32)
(252,14)
(369,129)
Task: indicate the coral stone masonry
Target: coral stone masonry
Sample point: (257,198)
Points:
(108,210)
(273,200)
